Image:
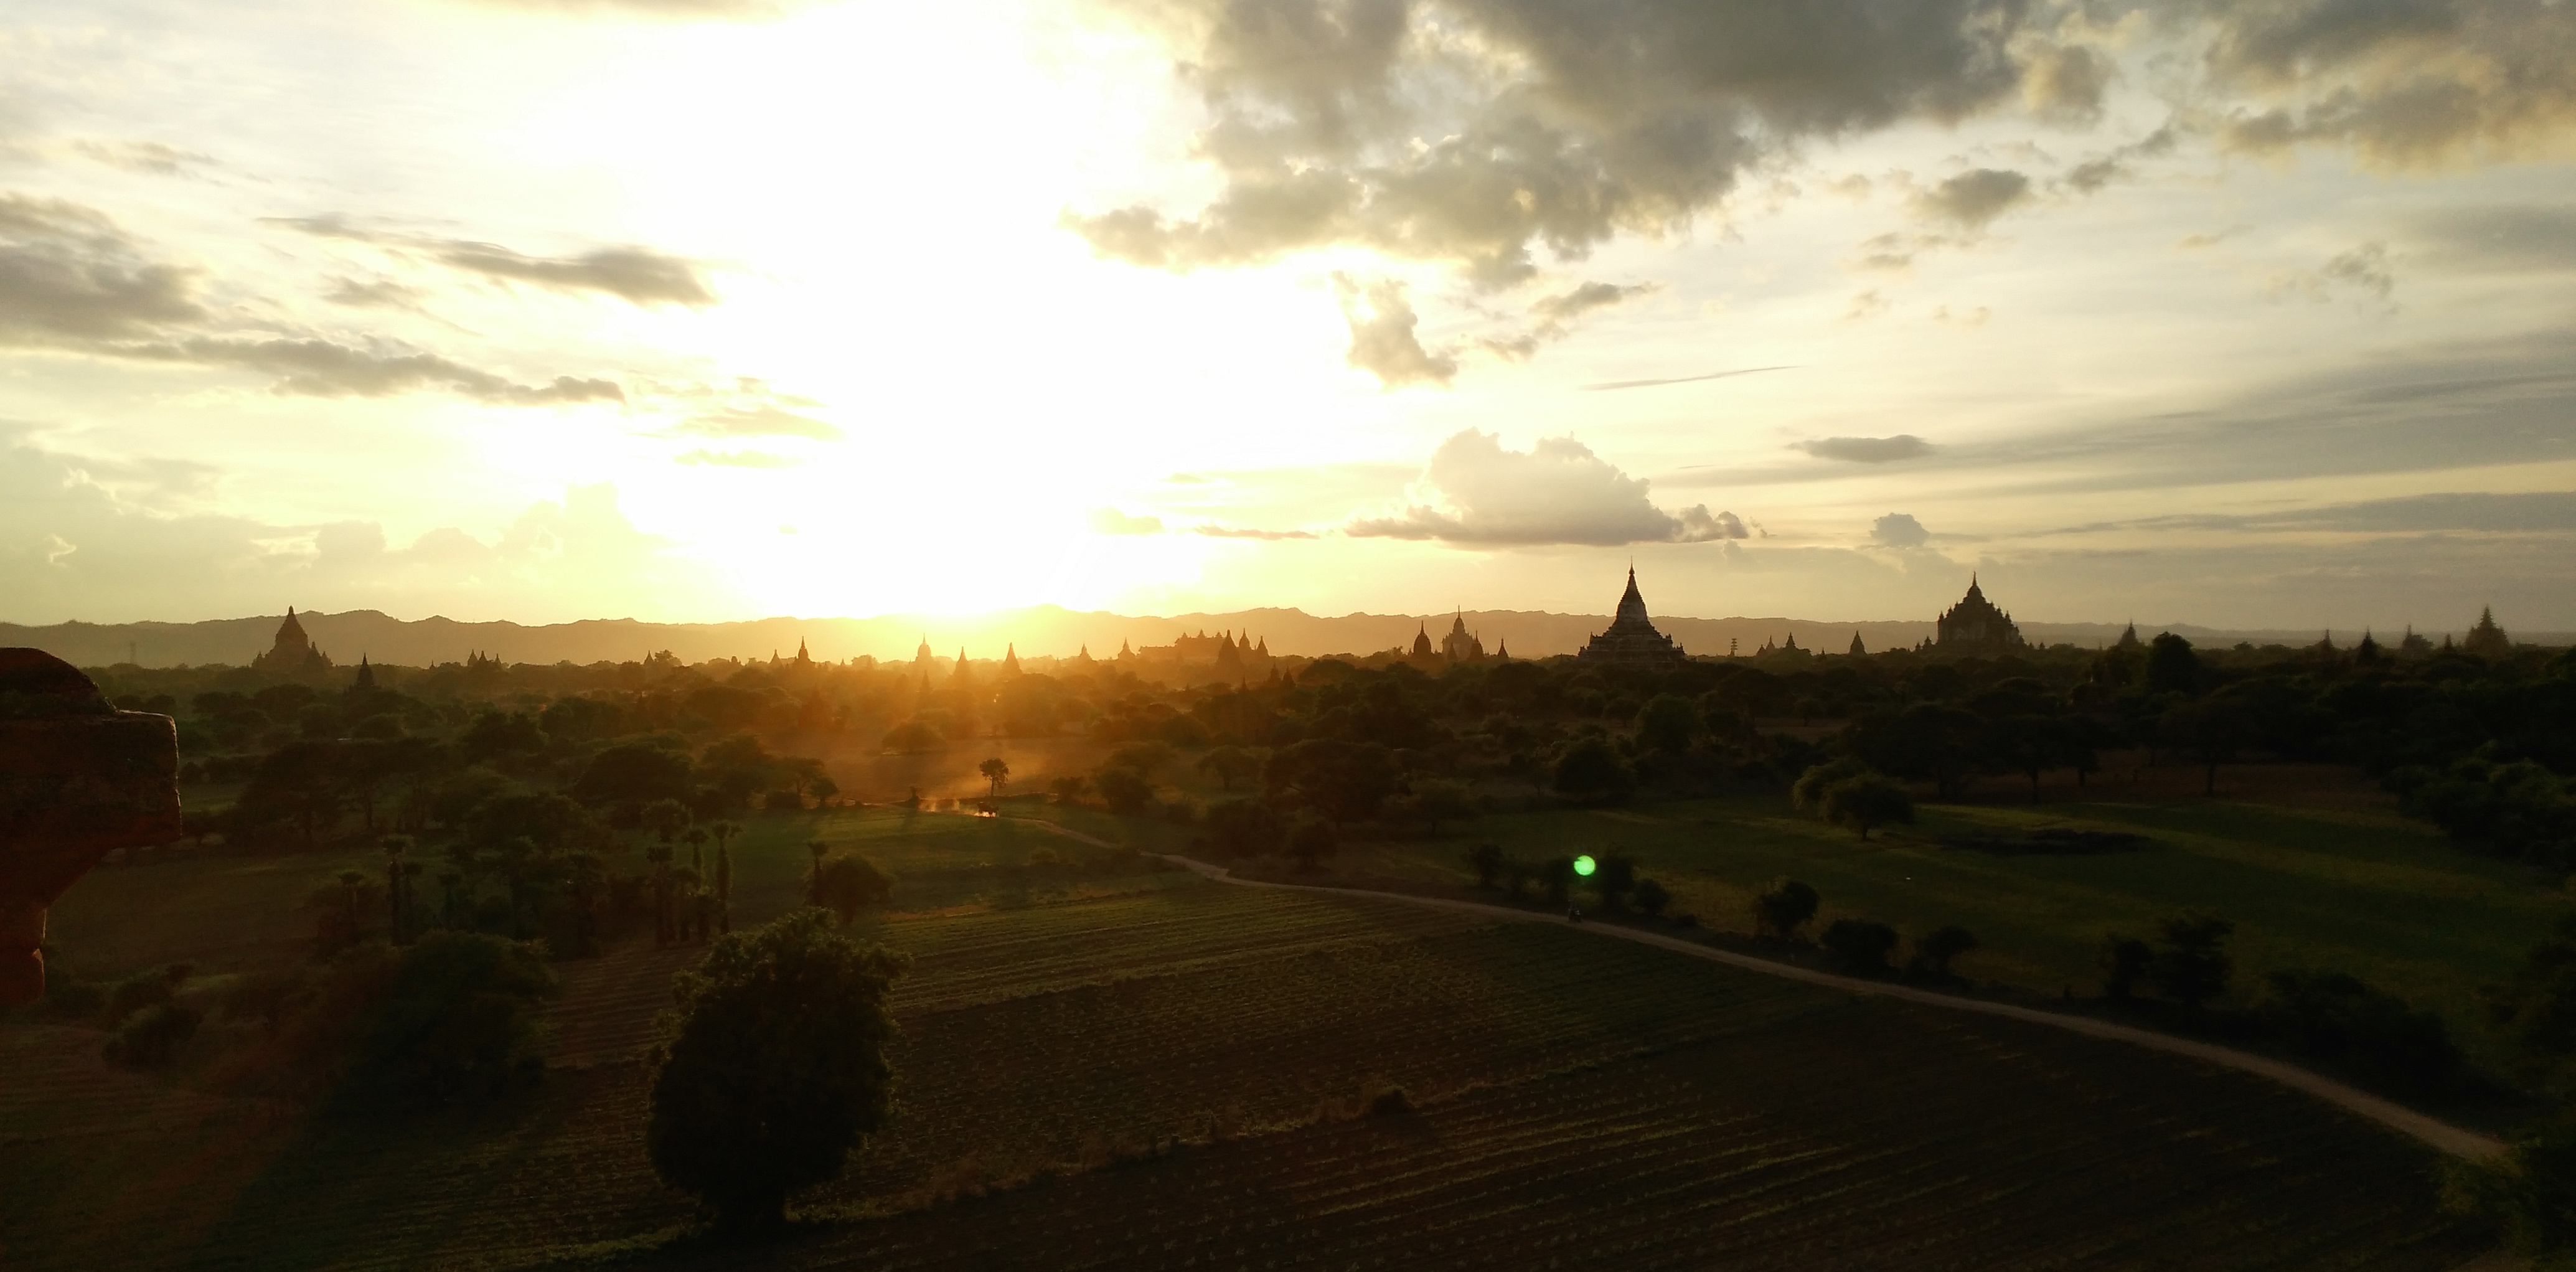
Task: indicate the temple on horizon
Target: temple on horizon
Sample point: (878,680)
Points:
(293,653)
(1974,623)
(1632,637)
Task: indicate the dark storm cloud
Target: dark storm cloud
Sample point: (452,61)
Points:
(1469,131)
(1867,450)
(639,276)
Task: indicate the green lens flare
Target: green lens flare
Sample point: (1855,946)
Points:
(1583,866)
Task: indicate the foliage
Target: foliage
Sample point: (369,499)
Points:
(1860,945)
(1935,950)
(1243,828)
(2337,1018)
(458,1020)
(846,883)
(151,1037)
(635,773)
(2508,810)
(1780,910)
(2123,962)
(1486,860)
(2529,1190)
(2192,968)
(1591,771)
(1651,898)
(1339,780)
(1123,790)
(1311,840)
(772,1068)
(1667,723)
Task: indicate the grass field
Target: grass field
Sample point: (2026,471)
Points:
(1576,1102)
(2355,889)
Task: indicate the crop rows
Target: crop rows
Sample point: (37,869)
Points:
(1805,1147)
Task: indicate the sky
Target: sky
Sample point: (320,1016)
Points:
(2249,314)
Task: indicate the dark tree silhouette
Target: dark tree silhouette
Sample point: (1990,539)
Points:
(1784,908)
(774,1068)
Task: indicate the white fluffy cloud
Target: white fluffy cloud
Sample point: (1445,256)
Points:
(1477,491)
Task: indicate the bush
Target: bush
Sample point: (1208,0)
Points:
(151,1037)
(1860,945)
(1651,898)
(2529,1190)
(2514,810)
(1933,951)
(1311,840)
(1556,875)
(2123,960)
(1070,789)
(1849,793)
(144,990)
(773,1067)
(458,1020)
(1487,861)
(846,882)
(1125,793)
(1784,908)
(2336,1017)
(1243,828)
(783,802)
(1591,771)
(2191,969)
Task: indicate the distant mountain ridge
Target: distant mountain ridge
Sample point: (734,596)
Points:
(1036,632)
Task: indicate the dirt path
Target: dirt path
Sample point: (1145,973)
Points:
(2457,1141)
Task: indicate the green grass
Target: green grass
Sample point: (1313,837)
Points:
(1582,1103)
(2362,891)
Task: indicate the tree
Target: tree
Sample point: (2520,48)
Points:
(997,772)
(1433,801)
(1868,801)
(773,1068)
(2209,730)
(1123,790)
(664,818)
(2123,960)
(1343,781)
(1227,764)
(1487,861)
(1780,911)
(1652,897)
(2529,1190)
(2191,968)
(1614,876)
(1861,945)
(1311,840)
(2538,1008)
(634,773)
(1243,828)
(1556,875)
(459,1020)
(1590,771)
(2171,665)
(1667,723)
(1934,950)
(1070,788)
(848,882)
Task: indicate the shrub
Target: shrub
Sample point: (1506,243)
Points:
(1518,872)
(783,801)
(1860,945)
(773,1067)
(1311,840)
(1487,861)
(2191,969)
(152,1036)
(1933,951)
(1244,828)
(846,882)
(1784,908)
(2529,1190)
(1070,789)
(1556,875)
(145,990)
(2123,960)
(458,1020)
(1849,793)
(2336,1017)
(1123,791)
(1651,898)
(1591,771)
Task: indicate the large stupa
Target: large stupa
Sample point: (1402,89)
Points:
(1632,637)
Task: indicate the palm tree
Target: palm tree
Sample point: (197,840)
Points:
(696,836)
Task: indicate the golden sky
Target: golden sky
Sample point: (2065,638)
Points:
(2249,313)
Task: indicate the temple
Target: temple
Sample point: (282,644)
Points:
(1974,623)
(293,653)
(1461,645)
(1632,637)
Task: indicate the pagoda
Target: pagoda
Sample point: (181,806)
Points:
(293,653)
(1975,624)
(1631,638)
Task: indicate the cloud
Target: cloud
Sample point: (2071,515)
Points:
(640,276)
(149,157)
(1112,521)
(1382,339)
(380,294)
(1973,199)
(71,280)
(762,420)
(2515,238)
(663,10)
(1471,131)
(1899,530)
(1866,450)
(1246,532)
(2065,84)
(2364,270)
(68,274)
(737,459)
(325,368)
(1686,379)
(1558,491)
(1698,526)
